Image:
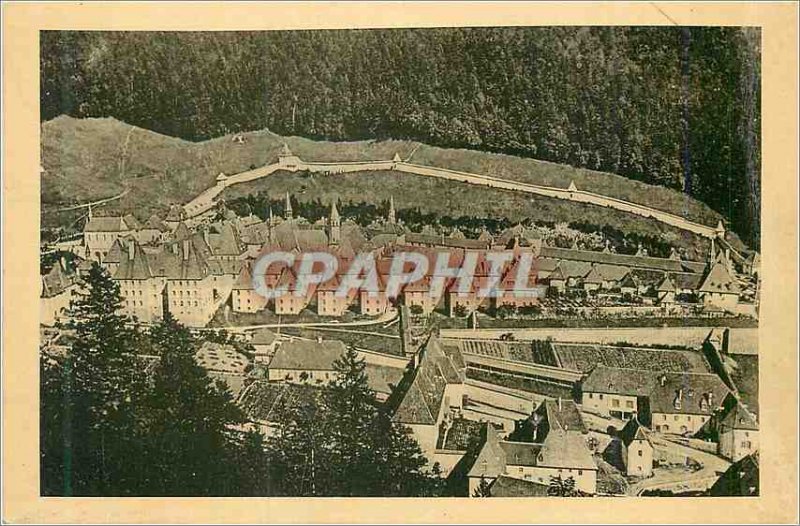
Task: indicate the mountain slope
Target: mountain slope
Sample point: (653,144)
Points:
(89,159)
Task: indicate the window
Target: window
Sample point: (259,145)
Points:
(676,418)
(580,472)
(640,452)
(746,444)
(601,397)
(664,417)
(629,404)
(615,402)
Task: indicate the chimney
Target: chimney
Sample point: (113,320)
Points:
(131,249)
(678,401)
(559,403)
(185,249)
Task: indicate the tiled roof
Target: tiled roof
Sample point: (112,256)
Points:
(698,393)
(738,417)
(244,281)
(521,453)
(308,355)
(566,449)
(633,430)
(490,460)
(612,380)
(562,414)
(504,486)
(56,281)
(136,268)
(107,224)
(669,392)
(719,280)
(665,265)
(418,397)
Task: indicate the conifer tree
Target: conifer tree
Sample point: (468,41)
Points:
(191,443)
(103,389)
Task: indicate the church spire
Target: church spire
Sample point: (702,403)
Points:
(288,207)
(391,216)
(335,218)
(334,226)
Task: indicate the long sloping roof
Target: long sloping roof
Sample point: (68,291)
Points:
(738,417)
(719,280)
(634,430)
(504,486)
(136,268)
(107,224)
(56,281)
(562,414)
(664,265)
(418,397)
(490,460)
(566,449)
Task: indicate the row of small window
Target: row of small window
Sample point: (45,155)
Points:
(188,293)
(188,303)
(688,418)
(580,471)
(614,401)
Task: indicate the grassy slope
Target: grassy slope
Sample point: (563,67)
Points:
(83,160)
(454,199)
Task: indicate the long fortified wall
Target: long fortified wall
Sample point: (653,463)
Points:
(206,200)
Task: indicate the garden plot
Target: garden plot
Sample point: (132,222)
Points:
(583,357)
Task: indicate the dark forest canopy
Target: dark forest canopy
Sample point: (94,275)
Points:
(678,107)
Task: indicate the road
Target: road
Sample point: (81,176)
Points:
(205,200)
(93,203)
(680,480)
(388,316)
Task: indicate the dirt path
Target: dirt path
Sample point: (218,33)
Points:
(679,480)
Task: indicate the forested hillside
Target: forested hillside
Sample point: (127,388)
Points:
(669,106)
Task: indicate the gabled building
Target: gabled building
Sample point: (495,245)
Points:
(636,449)
(99,233)
(306,362)
(431,391)
(740,480)
(737,431)
(562,454)
(58,291)
(244,298)
(719,289)
(558,414)
(142,289)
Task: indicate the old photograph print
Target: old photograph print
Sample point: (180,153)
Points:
(462,262)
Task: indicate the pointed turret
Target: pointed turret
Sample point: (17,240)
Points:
(606,249)
(640,251)
(335,219)
(391,218)
(334,226)
(288,207)
(673,254)
(572,187)
(720,230)
(396,158)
